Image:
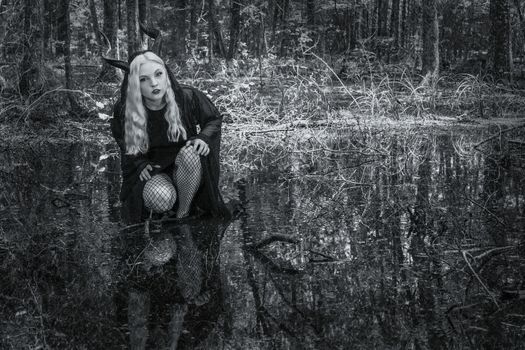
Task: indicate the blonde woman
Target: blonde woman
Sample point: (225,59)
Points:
(168,165)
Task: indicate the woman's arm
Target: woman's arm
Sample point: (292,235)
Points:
(207,116)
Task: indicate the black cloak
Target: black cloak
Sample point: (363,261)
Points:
(202,120)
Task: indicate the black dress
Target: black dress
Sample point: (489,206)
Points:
(197,112)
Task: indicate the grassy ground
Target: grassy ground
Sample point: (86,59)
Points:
(289,105)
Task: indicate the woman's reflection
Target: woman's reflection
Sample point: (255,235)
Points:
(169,295)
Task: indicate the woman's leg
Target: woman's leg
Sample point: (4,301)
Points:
(187,176)
(159,194)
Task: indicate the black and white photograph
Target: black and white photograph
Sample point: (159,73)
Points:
(262,174)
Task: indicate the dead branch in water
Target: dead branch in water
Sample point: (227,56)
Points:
(464,254)
(497,135)
(273,238)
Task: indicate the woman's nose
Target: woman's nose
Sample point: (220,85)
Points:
(154,82)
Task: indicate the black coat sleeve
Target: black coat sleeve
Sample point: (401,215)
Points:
(207,116)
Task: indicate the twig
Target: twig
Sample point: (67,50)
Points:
(38,305)
(59,89)
(464,254)
(497,135)
(487,210)
(493,252)
(269,263)
(326,256)
(271,239)
(516,142)
(292,125)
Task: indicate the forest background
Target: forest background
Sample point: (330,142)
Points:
(400,55)
(383,139)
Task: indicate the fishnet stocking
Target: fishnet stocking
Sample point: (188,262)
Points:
(159,194)
(187,176)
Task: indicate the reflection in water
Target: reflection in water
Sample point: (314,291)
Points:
(169,293)
(414,243)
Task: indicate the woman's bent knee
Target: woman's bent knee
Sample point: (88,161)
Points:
(188,158)
(159,193)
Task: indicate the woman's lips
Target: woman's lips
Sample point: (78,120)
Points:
(156,91)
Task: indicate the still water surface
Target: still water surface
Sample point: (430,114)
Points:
(413,244)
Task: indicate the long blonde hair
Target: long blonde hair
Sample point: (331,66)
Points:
(136,123)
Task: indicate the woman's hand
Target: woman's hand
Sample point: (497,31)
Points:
(144,174)
(199,146)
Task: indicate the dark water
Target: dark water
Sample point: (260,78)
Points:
(413,243)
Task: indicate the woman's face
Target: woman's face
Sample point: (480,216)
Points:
(153,81)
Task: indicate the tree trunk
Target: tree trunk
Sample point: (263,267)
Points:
(404,17)
(215,29)
(132,10)
(179,35)
(285,5)
(430,59)
(355,27)
(144,14)
(274,12)
(394,22)
(109,72)
(235,24)
(46,30)
(382,17)
(522,20)
(94,22)
(144,11)
(194,36)
(67,58)
(3,28)
(110,25)
(60,26)
(31,62)
(365,25)
(413,28)
(310,13)
(500,49)
(120,21)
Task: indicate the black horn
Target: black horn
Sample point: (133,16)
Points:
(117,63)
(114,62)
(155,34)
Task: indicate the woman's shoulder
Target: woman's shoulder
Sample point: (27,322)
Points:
(191,92)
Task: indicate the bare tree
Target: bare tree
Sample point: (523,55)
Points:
(500,50)
(144,15)
(67,56)
(194,10)
(404,18)
(132,8)
(430,57)
(179,35)
(109,72)
(235,23)
(215,30)
(382,17)
(46,26)
(31,62)
(94,21)
(310,12)
(394,22)
(285,12)
(521,17)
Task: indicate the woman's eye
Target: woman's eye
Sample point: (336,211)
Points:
(158,74)
(142,79)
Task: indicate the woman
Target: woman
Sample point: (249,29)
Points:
(169,138)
